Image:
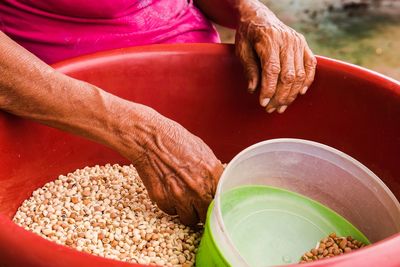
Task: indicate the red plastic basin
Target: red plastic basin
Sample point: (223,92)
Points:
(202,87)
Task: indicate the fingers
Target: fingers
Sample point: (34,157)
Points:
(286,80)
(187,215)
(248,58)
(287,65)
(298,84)
(310,63)
(270,64)
(151,174)
(183,204)
(201,208)
(158,194)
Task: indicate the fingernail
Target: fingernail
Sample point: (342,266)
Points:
(252,86)
(282,109)
(271,110)
(304,90)
(265,102)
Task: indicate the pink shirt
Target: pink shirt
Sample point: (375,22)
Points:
(59,29)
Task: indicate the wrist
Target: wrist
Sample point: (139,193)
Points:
(131,127)
(256,12)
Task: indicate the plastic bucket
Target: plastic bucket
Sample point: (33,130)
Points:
(313,170)
(202,87)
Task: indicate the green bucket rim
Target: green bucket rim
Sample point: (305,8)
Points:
(315,203)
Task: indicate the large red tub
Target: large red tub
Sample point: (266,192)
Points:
(202,87)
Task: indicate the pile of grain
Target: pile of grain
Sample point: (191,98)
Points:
(332,246)
(106,211)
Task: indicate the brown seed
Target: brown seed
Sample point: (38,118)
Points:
(347,250)
(332,235)
(329,244)
(100,236)
(336,251)
(74,200)
(309,254)
(343,244)
(114,243)
(113,215)
(86,201)
(314,252)
(320,251)
(349,238)
(69,242)
(322,245)
(325,252)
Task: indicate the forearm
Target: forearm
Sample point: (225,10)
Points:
(29,88)
(228,13)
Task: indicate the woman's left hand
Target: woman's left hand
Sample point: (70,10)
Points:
(276,59)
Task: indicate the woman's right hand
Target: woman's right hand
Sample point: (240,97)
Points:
(178,169)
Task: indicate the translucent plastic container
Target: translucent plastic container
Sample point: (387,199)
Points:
(313,170)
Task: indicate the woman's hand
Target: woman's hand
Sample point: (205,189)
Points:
(276,59)
(178,169)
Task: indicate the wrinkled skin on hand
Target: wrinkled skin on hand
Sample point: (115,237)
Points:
(276,59)
(179,170)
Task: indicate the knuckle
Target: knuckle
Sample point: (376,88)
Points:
(300,76)
(288,77)
(291,98)
(267,91)
(311,63)
(273,68)
(281,101)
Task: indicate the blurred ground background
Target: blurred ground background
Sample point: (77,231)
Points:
(363,32)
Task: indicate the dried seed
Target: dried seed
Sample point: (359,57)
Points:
(133,229)
(343,244)
(347,250)
(331,246)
